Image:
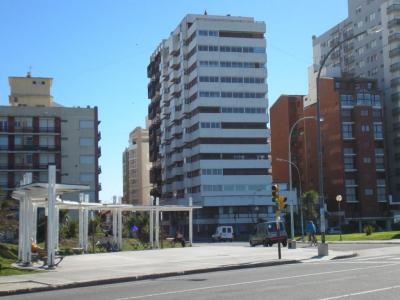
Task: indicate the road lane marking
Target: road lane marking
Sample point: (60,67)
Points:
(363,292)
(375,257)
(252,282)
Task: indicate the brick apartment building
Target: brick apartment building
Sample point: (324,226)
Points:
(353,146)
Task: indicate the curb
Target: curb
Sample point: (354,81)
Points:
(144,277)
(383,242)
(354,254)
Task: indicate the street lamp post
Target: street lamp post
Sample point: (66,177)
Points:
(319,146)
(339,199)
(290,169)
(300,199)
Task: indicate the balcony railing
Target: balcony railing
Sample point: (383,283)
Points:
(393,8)
(394,37)
(394,52)
(394,22)
(395,67)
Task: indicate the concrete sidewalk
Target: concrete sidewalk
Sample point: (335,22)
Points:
(95,269)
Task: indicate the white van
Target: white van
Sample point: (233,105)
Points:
(223,233)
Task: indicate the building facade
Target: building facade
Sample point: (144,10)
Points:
(374,54)
(136,168)
(36,132)
(353,146)
(208,136)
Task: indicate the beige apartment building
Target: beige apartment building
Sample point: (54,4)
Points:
(136,168)
(36,132)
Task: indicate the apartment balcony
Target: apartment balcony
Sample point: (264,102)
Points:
(48,129)
(394,37)
(99,186)
(3,128)
(394,52)
(395,82)
(99,170)
(394,22)
(395,96)
(395,67)
(393,8)
(99,136)
(51,148)
(23,167)
(23,129)
(98,151)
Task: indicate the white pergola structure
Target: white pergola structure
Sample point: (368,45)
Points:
(47,195)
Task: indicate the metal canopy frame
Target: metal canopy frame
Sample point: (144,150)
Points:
(48,196)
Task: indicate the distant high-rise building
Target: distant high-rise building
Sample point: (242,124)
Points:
(208,136)
(136,168)
(353,149)
(374,54)
(36,132)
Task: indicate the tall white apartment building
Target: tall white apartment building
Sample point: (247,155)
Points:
(371,55)
(209,139)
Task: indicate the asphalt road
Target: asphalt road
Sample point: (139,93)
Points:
(375,277)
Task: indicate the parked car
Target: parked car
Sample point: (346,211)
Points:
(334,230)
(266,234)
(223,233)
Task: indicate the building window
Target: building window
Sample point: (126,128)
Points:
(348,163)
(351,194)
(86,141)
(378,131)
(86,177)
(348,151)
(365,128)
(347,131)
(380,162)
(87,159)
(3,142)
(46,159)
(350,182)
(364,113)
(346,100)
(381,194)
(86,124)
(367,160)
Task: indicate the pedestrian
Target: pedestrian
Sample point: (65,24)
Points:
(311,230)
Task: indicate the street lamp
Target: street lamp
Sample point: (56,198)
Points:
(339,199)
(300,200)
(290,168)
(319,146)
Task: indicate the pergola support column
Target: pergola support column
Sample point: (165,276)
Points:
(119,213)
(151,221)
(157,229)
(51,198)
(86,226)
(191,221)
(34,223)
(27,224)
(115,222)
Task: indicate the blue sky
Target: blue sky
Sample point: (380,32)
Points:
(97,52)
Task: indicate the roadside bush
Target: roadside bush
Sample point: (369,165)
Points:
(369,229)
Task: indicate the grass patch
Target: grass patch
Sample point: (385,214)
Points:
(375,236)
(8,256)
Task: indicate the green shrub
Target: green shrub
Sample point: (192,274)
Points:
(369,229)
(72,229)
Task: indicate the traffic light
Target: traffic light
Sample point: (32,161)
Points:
(282,202)
(275,193)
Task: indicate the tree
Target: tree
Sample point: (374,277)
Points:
(310,200)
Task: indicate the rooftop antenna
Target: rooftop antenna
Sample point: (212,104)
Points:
(29,74)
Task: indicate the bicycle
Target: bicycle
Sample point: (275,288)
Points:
(313,241)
